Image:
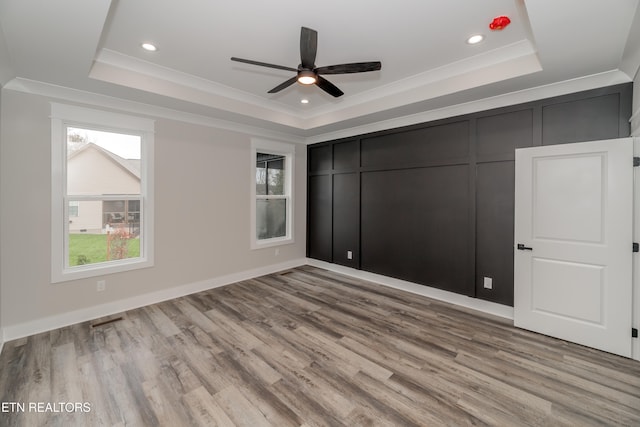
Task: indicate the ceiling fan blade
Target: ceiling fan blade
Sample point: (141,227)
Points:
(264,64)
(328,87)
(308,47)
(356,67)
(284,85)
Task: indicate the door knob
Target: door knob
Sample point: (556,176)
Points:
(522,247)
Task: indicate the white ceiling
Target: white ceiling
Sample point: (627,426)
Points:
(94,46)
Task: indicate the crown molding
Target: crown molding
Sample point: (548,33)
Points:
(594,81)
(545,91)
(104,101)
(503,63)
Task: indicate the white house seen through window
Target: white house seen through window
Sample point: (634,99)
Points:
(103,183)
(101,196)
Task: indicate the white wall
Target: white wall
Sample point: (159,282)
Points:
(1,237)
(201,217)
(6,72)
(635,112)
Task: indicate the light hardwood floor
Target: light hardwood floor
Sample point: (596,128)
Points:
(307,347)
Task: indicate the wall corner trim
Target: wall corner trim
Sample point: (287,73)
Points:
(483,306)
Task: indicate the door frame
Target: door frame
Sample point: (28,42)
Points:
(635,275)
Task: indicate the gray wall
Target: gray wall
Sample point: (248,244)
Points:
(202,208)
(1,235)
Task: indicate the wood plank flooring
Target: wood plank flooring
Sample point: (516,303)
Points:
(307,347)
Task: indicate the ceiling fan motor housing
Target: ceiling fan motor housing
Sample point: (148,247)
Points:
(307,72)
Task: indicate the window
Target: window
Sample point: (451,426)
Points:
(271,189)
(102,210)
(74,209)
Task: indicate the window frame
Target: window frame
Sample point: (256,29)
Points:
(259,145)
(62,117)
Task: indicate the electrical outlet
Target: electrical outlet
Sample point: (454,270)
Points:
(277,251)
(349,255)
(101,285)
(488,283)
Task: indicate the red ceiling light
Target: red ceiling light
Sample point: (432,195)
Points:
(499,23)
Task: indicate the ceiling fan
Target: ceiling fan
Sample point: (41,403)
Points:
(308,73)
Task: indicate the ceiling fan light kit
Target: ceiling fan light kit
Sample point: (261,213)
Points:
(307,77)
(307,73)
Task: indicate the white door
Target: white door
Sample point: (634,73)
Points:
(573,239)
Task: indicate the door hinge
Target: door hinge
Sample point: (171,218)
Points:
(636,247)
(634,333)
(636,162)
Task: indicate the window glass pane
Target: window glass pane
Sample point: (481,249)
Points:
(261,178)
(271,218)
(270,174)
(73,208)
(113,212)
(87,247)
(102,162)
(133,217)
(121,215)
(88,218)
(276,177)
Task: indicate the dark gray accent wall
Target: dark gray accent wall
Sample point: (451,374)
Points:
(320,236)
(414,225)
(433,203)
(346,209)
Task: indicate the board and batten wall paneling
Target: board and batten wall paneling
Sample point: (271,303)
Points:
(587,116)
(319,158)
(346,213)
(497,137)
(319,236)
(444,143)
(494,230)
(346,156)
(319,199)
(414,225)
(436,199)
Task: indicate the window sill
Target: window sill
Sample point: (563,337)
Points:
(85,272)
(279,241)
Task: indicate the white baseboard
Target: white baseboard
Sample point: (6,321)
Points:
(65,319)
(450,297)
(48,323)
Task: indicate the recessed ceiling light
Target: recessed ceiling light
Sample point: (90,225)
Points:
(475,39)
(304,101)
(150,47)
